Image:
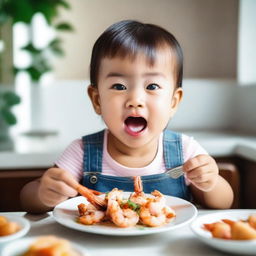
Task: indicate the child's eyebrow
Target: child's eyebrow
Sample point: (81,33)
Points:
(116,74)
(154,74)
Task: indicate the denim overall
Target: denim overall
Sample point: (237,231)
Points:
(94,179)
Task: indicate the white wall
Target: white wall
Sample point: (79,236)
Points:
(66,108)
(245,108)
(207,105)
(247,42)
(206,29)
(245,103)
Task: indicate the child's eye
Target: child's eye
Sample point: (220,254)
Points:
(153,87)
(118,87)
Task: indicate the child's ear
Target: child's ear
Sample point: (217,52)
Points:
(95,98)
(176,99)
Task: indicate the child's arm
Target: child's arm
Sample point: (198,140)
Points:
(207,186)
(41,195)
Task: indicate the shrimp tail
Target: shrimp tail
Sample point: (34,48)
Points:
(208,226)
(95,192)
(98,202)
(138,187)
(82,208)
(228,221)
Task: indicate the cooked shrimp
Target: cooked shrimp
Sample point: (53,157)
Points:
(219,229)
(138,196)
(169,213)
(230,229)
(89,214)
(138,187)
(147,218)
(157,203)
(123,218)
(241,230)
(155,213)
(50,245)
(98,202)
(252,220)
(3,220)
(9,228)
(83,208)
(151,211)
(115,194)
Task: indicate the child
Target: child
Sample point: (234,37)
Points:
(136,78)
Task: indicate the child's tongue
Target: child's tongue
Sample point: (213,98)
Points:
(135,124)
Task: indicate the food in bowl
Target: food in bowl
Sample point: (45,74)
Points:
(50,246)
(8,227)
(233,230)
(150,211)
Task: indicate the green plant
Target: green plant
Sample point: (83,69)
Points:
(7,101)
(23,11)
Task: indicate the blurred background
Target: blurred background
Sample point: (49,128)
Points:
(45,49)
(49,48)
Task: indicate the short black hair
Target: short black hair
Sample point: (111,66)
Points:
(130,37)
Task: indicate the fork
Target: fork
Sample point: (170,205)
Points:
(176,172)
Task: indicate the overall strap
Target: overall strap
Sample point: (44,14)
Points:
(172,145)
(93,151)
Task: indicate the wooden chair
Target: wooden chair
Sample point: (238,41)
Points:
(230,172)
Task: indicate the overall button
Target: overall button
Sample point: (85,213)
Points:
(93,179)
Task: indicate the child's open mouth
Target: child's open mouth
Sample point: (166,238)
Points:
(135,125)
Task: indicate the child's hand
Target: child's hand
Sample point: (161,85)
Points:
(202,171)
(56,185)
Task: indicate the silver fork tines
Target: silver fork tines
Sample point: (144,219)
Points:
(176,172)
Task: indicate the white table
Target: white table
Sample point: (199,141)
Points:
(177,242)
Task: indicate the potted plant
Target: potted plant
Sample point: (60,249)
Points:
(8,99)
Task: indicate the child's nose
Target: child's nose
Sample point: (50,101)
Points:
(135,100)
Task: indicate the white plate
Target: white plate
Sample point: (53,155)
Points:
(23,223)
(19,247)
(232,246)
(66,214)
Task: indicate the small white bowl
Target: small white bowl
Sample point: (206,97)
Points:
(232,246)
(21,221)
(20,246)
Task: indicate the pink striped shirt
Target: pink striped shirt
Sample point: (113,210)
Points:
(72,159)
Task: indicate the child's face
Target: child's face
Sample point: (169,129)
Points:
(136,100)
